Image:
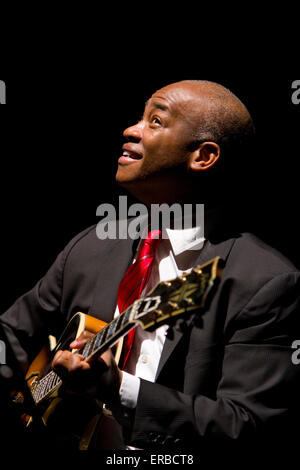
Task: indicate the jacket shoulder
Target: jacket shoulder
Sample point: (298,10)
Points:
(252,254)
(251,266)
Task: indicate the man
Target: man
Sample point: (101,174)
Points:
(229,378)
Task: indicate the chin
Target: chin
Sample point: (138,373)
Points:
(125,175)
(155,188)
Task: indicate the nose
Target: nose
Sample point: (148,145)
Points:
(134,132)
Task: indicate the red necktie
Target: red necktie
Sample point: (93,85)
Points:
(135,280)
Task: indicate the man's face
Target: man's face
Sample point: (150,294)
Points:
(158,145)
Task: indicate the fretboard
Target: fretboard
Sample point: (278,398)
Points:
(100,342)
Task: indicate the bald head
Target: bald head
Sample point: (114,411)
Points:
(214,113)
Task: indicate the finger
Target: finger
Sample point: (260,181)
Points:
(82,339)
(65,363)
(58,358)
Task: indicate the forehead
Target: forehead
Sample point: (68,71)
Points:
(177,100)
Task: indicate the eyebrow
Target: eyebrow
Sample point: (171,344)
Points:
(158,105)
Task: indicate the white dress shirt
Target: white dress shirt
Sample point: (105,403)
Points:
(175,254)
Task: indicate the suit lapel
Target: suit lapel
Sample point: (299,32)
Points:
(115,259)
(209,251)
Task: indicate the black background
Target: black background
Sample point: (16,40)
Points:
(61,134)
(74,85)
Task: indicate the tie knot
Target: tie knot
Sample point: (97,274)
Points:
(153,235)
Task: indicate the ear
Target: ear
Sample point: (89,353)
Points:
(206,155)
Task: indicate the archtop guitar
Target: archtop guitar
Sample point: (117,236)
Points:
(168,302)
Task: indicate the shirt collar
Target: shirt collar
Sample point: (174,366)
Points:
(183,239)
(191,238)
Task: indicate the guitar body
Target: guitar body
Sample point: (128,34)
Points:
(78,323)
(70,421)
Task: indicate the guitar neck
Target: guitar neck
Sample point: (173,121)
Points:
(119,327)
(108,336)
(100,342)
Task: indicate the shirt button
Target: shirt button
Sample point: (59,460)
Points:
(144,359)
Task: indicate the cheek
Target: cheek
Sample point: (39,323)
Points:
(164,153)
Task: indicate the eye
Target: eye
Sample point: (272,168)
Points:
(156,121)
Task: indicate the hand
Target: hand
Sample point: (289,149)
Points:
(100,378)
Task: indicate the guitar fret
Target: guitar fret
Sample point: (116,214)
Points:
(94,343)
(100,338)
(108,332)
(90,346)
(111,329)
(85,350)
(119,322)
(126,316)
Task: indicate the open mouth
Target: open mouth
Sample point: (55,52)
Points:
(129,156)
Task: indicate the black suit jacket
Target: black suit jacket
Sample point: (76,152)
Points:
(229,378)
